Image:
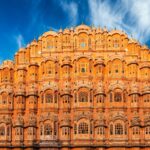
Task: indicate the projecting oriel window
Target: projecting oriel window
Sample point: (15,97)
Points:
(83,97)
(83,67)
(83,128)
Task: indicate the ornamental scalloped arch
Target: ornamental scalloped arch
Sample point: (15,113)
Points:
(135,121)
(78,57)
(116,57)
(83,84)
(5,120)
(118,116)
(65,122)
(46,117)
(83,115)
(46,87)
(52,59)
(116,85)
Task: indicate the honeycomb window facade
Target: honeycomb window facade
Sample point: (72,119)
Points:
(76,89)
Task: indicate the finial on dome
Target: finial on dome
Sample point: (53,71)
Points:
(92,25)
(105,28)
(34,40)
(51,29)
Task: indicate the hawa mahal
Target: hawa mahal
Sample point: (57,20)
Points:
(82,88)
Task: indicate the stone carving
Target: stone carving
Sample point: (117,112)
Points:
(116,84)
(118,116)
(19,121)
(66,89)
(80,115)
(136,121)
(134,87)
(47,116)
(99,88)
(49,85)
(5,119)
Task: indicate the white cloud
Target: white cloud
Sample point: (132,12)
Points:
(20,41)
(132,16)
(71,10)
(140,13)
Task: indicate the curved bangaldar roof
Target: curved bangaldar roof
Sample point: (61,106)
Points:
(50,33)
(82,27)
(117,32)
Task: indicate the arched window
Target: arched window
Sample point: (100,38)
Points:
(147,130)
(49,98)
(135,130)
(66,99)
(100,98)
(66,70)
(47,129)
(83,128)
(111,129)
(117,97)
(4,98)
(83,97)
(83,67)
(134,98)
(49,44)
(100,130)
(146,97)
(118,129)
(116,43)
(41,130)
(65,131)
(82,43)
(30,131)
(2,131)
(50,67)
(99,69)
(17,131)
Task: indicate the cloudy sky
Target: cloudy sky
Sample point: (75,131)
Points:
(23,20)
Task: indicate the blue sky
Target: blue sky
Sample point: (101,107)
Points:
(23,20)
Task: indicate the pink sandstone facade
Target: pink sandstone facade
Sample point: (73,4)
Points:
(82,88)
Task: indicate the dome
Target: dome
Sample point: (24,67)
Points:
(82,27)
(53,33)
(116,32)
(66,31)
